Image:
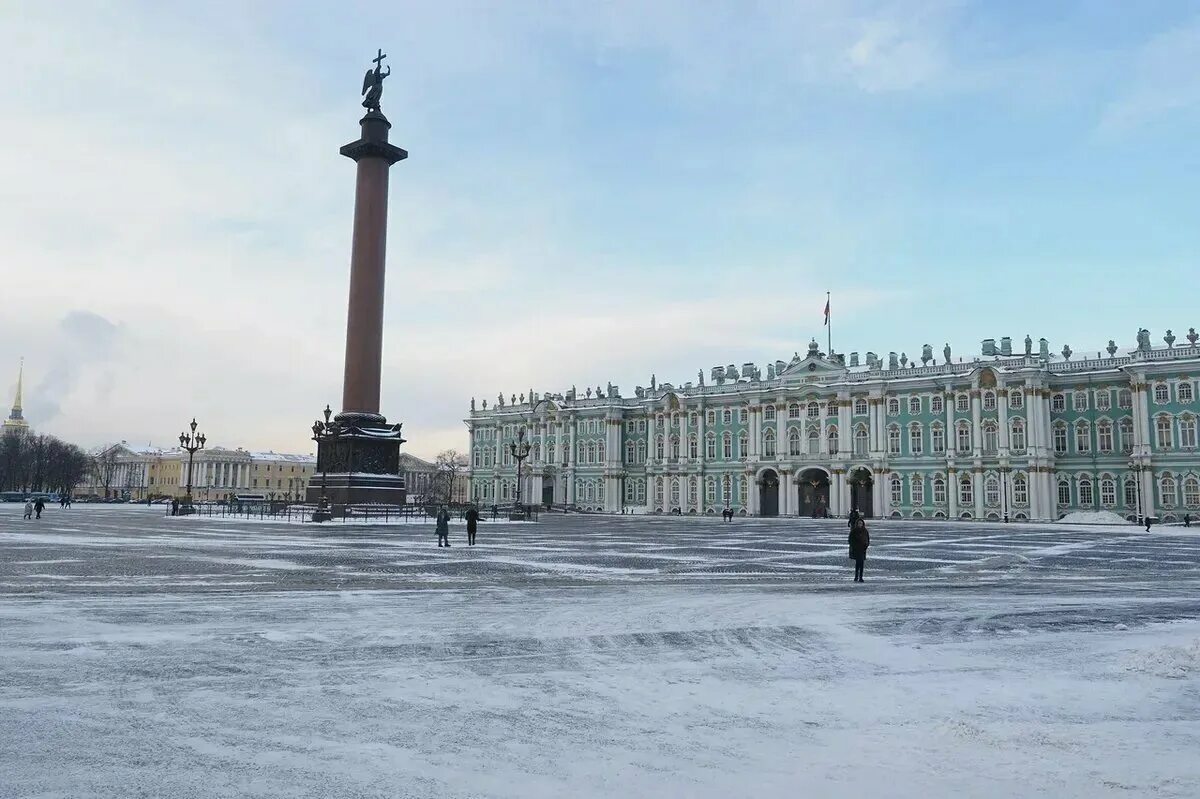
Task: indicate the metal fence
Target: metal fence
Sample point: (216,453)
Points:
(302,512)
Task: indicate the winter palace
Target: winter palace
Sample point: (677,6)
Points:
(1005,434)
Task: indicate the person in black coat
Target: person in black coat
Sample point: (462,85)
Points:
(39,506)
(443,527)
(472,518)
(855,516)
(860,539)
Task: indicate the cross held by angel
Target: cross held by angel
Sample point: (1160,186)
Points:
(372,88)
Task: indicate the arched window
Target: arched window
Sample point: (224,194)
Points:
(989,438)
(641,451)
(860,407)
(693,491)
(861,441)
(726,489)
(1060,438)
(916,490)
(1058,403)
(896,490)
(914,406)
(693,447)
(710,447)
(964,437)
(1016,400)
(1103,399)
(966,490)
(1016,435)
(1125,426)
(1083,437)
(989,400)
(675,492)
(1104,436)
(1020,489)
(769,443)
(710,490)
(630,452)
(600,455)
(641,492)
(1162,394)
(1184,391)
(991,490)
(893,435)
(743,446)
(1162,426)
(727,446)
(814,440)
(1166,491)
(833,440)
(674,447)
(962,403)
(591,491)
(794,442)
(1187,431)
(1124,398)
(937,404)
(768,413)
(1064,494)
(658,491)
(1085,492)
(893,406)
(658,448)
(916,444)
(591,452)
(814,410)
(939,490)
(1108,491)
(937,437)
(1191,491)
(710,418)
(794,410)
(727,417)
(1131,492)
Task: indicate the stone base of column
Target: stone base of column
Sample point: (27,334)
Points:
(360,465)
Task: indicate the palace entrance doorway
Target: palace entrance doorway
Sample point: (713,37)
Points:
(547,491)
(769,494)
(813,487)
(862,488)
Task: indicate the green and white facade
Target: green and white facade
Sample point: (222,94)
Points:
(1028,435)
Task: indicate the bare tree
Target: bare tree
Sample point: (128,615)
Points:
(104,466)
(450,466)
(40,463)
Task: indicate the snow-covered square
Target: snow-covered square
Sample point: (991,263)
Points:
(594,656)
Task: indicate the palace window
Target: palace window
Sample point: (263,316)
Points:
(674,448)
(1108,491)
(1064,494)
(710,490)
(938,437)
(1085,492)
(896,489)
(1016,400)
(1103,399)
(1162,394)
(1079,400)
(658,490)
(833,440)
(915,443)
(1130,492)
(989,400)
(768,413)
(743,415)
(476,458)
(641,492)
(893,406)
(1125,426)
(710,447)
(990,438)
(693,447)
(914,406)
(710,418)
(1083,437)
(1125,399)
(641,451)
(1163,427)
(813,411)
(964,437)
(727,417)
(630,491)
(860,407)
(591,452)
(893,434)
(743,484)
(600,454)
(966,491)
(794,410)
(1184,391)
(939,490)
(630,452)
(727,446)
(916,490)
(1060,439)
(1016,434)
(693,491)
(743,446)
(726,489)
(936,404)
(1187,432)
(860,442)
(1166,491)
(1191,492)
(814,440)
(1104,432)
(659,454)
(1058,403)
(991,490)
(769,444)
(794,442)
(962,402)
(641,425)
(1020,489)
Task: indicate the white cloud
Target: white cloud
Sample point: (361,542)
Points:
(1163,79)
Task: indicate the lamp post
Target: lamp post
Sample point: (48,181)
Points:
(191,442)
(326,434)
(1136,468)
(1005,476)
(519,448)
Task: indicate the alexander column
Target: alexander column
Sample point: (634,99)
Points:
(358,452)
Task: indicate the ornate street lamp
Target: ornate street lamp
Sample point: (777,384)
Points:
(1136,467)
(190,442)
(326,434)
(519,449)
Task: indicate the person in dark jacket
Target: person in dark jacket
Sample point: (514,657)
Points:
(860,539)
(443,527)
(472,523)
(39,506)
(1187,520)
(855,516)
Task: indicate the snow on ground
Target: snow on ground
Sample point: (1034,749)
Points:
(588,656)
(1094,517)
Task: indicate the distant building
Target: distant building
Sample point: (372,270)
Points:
(1017,434)
(218,473)
(15,424)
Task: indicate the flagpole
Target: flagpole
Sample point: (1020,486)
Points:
(828,326)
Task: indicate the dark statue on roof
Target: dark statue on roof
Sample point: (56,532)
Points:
(372,88)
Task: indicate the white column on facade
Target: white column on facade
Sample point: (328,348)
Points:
(752,494)
(837,487)
(1002,419)
(977,490)
(702,437)
(781,422)
(952,493)
(754,431)
(873,405)
(786,488)
(684,427)
(879,494)
(976,424)
(845,434)
(823,446)
(650,435)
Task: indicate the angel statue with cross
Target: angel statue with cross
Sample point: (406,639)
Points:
(372,88)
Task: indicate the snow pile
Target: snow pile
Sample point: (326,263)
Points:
(1173,662)
(1093,517)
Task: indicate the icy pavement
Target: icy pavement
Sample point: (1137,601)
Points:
(588,656)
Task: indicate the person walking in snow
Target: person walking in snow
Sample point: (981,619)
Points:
(443,527)
(472,522)
(39,506)
(28,509)
(855,516)
(1187,520)
(860,539)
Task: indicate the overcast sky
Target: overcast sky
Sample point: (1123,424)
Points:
(595,191)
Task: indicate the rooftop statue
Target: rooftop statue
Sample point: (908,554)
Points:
(372,88)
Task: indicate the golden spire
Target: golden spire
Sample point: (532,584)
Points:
(15,423)
(16,408)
